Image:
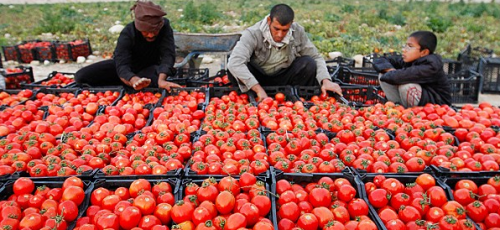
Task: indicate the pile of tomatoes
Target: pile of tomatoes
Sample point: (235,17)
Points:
(58,79)
(227,203)
(15,76)
(418,204)
(328,203)
(481,202)
(42,207)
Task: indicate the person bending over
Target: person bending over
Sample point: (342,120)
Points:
(276,51)
(144,55)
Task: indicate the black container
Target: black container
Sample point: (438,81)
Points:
(357,76)
(271,216)
(170,174)
(176,91)
(210,81)
(15,80)
(273,90)
(120,90)
(403,178)
(10,53)
(87,175)
(88,186)
(56,92)
(465,86)
(362,95)
(489,68)
(185,76)
(451,66)
(306,92)
(341,61)
(446,173)
(15,93)
(39,84)
(306,178)
(45,53)
(84,49)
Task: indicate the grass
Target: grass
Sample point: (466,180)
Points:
(351,27)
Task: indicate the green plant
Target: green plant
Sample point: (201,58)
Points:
(439,24)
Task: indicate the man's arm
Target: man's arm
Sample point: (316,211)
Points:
(123,55)
(240,57)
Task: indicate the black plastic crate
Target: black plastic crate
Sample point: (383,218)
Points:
(218,80)
(10,53)
(14,77)
(170,174)
(87,175)
(403,178)
(470,56)
(359,76)
(307,92)
(120,90)
(176,91)
(341,61)
(79,47)
(88,186)
(43,83)
(62,51)
(271,91)
(363,95)
(271,215)
(44,53)
(451,66)
(465,86)
(20,96)
(307,178)
(445,173)
(185,76)
(489,68)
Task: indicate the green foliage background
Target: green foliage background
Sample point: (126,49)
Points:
(351,27)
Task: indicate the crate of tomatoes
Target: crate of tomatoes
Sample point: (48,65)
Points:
(128,204)
(70,51)
(321,201)
(413,201)
(10,53)
(14,77)
(53,80)
(34,204)
(224,203)
(479,197)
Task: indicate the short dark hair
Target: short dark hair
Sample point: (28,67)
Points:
(283,13)
(426,40)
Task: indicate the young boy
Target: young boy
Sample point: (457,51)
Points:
(417,77)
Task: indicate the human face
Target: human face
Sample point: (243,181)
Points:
(412,50)
(278,31)
(150,36)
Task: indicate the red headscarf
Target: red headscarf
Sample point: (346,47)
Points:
(148,16)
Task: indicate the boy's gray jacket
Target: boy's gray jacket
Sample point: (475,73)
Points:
(252,48)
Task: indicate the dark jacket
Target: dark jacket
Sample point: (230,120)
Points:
(133,53)
(426,71)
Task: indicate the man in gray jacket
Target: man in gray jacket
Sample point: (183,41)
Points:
(276,51)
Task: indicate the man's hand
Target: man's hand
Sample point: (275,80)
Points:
(167,85)
(139,83)
(261,93)
(330,86)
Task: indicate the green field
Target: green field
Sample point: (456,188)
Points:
(351,27)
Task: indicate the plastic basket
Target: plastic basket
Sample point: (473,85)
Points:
(10,53)
(103,90)
(273,90)
(489,68)
(82,208)
(218,80)
(307,92)
(184,76)
(362,95)
(365,76)
(43,83)
(170,174)
(24,75)
(465,86)
(62,51)
(451,66)
(176,91)
(307,178)
(87,175)
(341,61)
(45,53)
(79,48)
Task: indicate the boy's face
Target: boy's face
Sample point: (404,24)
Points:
(412,50)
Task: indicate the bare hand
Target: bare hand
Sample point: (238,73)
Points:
(330,86)
(167,85)
(261,93)
(139,83)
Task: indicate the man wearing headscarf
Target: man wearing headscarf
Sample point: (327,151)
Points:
(144,55)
